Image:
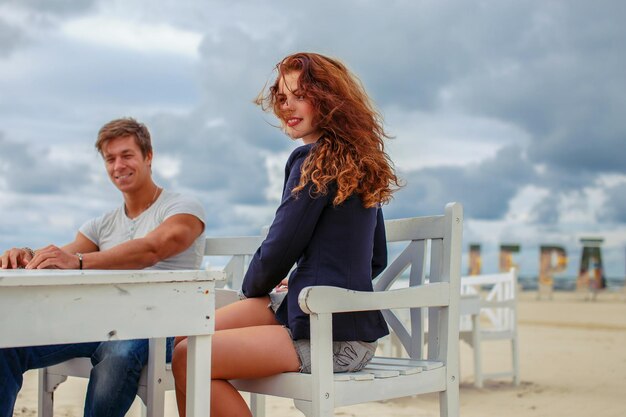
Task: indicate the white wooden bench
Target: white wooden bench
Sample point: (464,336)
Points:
(498,320)
(433,248)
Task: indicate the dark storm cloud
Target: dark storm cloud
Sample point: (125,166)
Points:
(614,209)
(31,171)
(36,13)
(79,77)
(557,74)
(10,37)
(484,189)
(547,210)
(53,7)
(234,69)
(551,69)
(212,159)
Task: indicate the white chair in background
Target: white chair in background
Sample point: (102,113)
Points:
(498,320)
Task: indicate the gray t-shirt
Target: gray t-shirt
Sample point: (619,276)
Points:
(115,227)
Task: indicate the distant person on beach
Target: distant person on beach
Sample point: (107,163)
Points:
(154,228)
(329,222)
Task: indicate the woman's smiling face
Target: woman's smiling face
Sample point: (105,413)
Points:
(296,110)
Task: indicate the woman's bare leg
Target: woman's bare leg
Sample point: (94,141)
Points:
(248,343)
(244,313)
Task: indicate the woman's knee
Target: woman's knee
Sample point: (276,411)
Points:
(179,339)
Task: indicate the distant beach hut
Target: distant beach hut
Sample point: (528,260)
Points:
(591,277)
(506,256)
(552,261)
(475,261)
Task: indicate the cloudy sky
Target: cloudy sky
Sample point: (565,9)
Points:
(513,108)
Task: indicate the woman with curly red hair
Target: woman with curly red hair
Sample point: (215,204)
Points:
(329,224)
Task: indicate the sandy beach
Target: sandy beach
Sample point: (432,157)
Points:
(573,363)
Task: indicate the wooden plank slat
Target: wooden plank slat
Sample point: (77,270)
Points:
(402,368)
(361,376)
(407,363)
(229,246)
(381,371)
(394,270)
(416,228)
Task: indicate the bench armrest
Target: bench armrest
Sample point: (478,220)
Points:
(325,299)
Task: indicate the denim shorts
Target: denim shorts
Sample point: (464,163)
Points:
(349,356)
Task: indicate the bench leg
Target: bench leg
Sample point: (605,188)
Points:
(476,341)
(449,400)
(47,385)
(46,401)
(257,405)
(154,394)
(515,353)
(154,406)
(304,407)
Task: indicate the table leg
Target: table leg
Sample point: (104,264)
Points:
(476,346)
(199,376)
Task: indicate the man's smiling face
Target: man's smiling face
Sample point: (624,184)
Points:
(127,167)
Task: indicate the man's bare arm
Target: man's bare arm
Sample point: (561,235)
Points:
(172,237)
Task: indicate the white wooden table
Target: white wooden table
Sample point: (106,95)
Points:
(71,306)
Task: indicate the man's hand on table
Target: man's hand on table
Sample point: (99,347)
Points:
(53,257)
(16,258)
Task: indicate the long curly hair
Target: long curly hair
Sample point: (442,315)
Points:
(351,150)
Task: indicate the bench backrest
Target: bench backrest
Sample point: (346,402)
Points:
(431,245)
(237,252)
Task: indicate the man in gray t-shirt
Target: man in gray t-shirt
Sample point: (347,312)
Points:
(115,227)
(153,228)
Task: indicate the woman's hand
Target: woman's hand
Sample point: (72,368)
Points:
(282,286)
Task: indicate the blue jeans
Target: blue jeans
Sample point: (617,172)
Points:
(113,382)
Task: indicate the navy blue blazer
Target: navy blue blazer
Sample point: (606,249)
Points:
(343,246)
